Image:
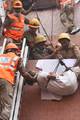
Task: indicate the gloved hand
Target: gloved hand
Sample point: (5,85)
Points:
(52,76)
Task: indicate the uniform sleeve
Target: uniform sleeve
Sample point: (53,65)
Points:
(26,21)
(7,21)
(23,71)
(25,12)
(77,51)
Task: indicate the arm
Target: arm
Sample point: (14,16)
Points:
(27,76)
(49,56)
(7,22)
(25,12)
(26,21)
(76,51)
(57,51)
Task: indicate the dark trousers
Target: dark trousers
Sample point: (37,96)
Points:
(6,90)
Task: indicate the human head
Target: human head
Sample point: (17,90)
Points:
(11,47)
(64,39)
(34,24)
(40,39)
(17,6)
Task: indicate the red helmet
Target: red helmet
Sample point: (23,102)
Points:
(11,46)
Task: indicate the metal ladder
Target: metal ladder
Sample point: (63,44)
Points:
(14,115)
(19,80)
(19,85)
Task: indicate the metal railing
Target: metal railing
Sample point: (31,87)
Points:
(3,47)
(18,86)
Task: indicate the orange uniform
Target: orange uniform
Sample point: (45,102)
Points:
(8,66)
(16,28)
(62,2)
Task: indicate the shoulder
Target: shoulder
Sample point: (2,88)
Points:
(72,45)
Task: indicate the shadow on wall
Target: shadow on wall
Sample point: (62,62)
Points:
(40,4)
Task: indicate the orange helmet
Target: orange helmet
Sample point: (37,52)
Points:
(17,4)
(11,46)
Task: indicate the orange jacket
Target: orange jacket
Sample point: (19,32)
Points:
(16,29)
(62,2)
(8,66)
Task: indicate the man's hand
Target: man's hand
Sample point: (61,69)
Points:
(51,75)
(20,63)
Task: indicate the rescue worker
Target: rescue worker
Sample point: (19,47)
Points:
(41,49)
(31,33)
(8,7)
(67,16)
(14,24)
(59,85)
(66,49)
(9,64)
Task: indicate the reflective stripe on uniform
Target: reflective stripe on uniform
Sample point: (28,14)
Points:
(12,66)
(14,28)
(64,2)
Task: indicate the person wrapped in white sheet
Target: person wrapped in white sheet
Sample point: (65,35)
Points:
(59,84)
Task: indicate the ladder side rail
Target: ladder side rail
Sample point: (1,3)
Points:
(17,84)
(3,47)
(16,115)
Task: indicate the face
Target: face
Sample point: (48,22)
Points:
(65,43)
(42,44)
(33,29)
(14,51)
(17,10)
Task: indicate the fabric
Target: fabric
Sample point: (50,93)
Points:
(73,51)
(41,51)
(16,29)
(63,2)
(67,17)
(6,90)
(30,38)
(67,20)
(8,66)
(65,84)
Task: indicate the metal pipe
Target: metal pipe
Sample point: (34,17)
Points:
(52,26)
(44,29)
(3,47)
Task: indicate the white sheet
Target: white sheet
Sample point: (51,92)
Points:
(48,65)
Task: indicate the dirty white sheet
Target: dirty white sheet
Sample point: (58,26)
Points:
(49,65)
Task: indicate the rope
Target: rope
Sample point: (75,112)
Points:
(52,26)
(44,28)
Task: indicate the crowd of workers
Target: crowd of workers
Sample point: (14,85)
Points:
(10,61)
